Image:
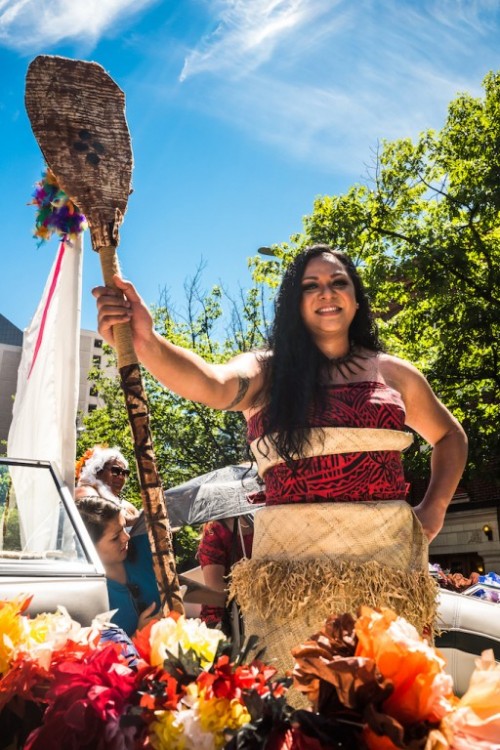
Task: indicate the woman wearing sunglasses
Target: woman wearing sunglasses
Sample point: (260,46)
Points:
(103,471)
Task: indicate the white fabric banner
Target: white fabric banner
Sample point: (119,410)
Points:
(45,407)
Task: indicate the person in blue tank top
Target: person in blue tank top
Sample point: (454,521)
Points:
(128,563)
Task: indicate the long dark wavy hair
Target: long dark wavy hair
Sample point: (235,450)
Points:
(292,373)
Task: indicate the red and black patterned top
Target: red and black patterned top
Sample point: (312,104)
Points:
(216,548)
(373,475)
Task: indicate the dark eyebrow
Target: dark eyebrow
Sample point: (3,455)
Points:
(332,275)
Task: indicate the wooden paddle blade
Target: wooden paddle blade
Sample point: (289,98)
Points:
(77,114)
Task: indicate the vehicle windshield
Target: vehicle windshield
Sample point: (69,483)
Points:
(36,526)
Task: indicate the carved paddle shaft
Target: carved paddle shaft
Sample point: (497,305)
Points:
(77,114)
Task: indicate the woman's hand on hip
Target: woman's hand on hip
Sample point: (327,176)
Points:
(431,519)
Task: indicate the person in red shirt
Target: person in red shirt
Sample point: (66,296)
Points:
(222,544)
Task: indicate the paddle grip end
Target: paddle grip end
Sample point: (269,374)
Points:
(106,234)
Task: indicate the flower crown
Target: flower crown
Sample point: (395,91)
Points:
(82,461)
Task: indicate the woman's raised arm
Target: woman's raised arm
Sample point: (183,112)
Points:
(229,386)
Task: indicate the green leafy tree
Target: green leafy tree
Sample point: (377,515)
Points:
(425,232)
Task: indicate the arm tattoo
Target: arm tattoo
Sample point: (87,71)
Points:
(244,384)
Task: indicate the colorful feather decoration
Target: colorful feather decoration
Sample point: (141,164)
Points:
(56,212)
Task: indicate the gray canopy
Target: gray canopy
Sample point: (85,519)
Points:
(219,494)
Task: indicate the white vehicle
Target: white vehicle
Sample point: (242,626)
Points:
(56,562)
(469,627)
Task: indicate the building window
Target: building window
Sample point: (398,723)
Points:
(91,407)
(97,343)
(93,390)
(96,360)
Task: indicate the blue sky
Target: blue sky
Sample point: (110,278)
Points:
(241,112)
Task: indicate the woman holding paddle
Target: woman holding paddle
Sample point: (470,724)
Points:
(326,410)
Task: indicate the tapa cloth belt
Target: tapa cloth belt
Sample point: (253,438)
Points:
(323,441)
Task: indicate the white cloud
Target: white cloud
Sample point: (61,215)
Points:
(476,14)
(35,24)
(248,33)
(328,128)
(323,82)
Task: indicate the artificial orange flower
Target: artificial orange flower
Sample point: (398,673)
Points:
(26,680)
(141,641)
(80,463)
(475,724)
(422,690)
(142,638)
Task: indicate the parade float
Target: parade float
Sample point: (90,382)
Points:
(372,683)
(367,678)
(75,680)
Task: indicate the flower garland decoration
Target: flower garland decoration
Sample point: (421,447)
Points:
(55,211)
(173,687)
(373,684)
(80,463)
(377,674)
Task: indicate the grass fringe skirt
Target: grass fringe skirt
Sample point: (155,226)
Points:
(282,591)
(312,561)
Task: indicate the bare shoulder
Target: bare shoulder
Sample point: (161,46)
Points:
(401,374)
(424,411)
(85,490)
